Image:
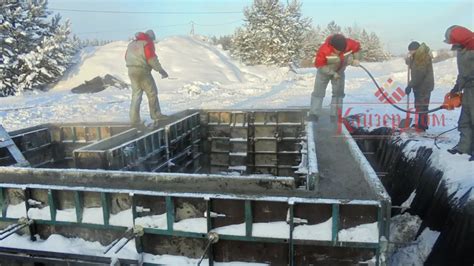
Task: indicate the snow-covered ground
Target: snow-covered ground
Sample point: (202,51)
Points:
(204,76)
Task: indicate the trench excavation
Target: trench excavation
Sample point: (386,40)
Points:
(439,209)
(222,185)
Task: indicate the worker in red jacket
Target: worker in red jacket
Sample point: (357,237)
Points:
(331,60)
(141,59)
(462,41)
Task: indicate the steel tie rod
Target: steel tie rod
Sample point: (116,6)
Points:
(117,240)
(137,231)
(22,223)
(212,237)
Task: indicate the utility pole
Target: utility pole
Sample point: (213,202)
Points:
(192,28)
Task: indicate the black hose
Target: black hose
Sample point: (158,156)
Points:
(390,101)
(440,134)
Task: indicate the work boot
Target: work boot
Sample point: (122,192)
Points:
(454,150)
(160,118)
(138,125)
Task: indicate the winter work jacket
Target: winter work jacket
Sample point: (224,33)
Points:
(458,35)
(329,62)
(465,61)
(141,53)
(421,66)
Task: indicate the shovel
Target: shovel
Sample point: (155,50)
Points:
(405,123)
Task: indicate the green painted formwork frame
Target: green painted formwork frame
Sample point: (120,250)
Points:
(383,216)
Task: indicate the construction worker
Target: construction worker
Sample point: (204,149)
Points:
(141,59)
(422,80)
(462,41)
(331,60)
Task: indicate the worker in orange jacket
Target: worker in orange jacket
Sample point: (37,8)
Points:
(141,59)
(331,60)
(462,41)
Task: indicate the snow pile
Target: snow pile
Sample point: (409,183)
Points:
(16,211)
(62,244)
(153,221)
(418,251)
(405,247)
(322,231)
(198,225)
(403,228)
(123,218)
(360,233)
(457,174)
(197,88)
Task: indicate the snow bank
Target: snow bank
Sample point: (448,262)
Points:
(417,252)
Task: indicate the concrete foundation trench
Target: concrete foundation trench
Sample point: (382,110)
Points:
(223,185)
(439,210)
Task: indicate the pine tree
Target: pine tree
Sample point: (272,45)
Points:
(372,50)
(35,51)
(313,40)
(332,28)
(353,32)
(22,28)
(273,33)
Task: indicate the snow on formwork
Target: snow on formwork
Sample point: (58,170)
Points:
(360,233)
(79,246)
(210,78)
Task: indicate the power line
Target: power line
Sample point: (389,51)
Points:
(219,24)
(142,28)
(164,26)
(146,12)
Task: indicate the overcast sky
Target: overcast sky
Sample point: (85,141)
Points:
(396,22)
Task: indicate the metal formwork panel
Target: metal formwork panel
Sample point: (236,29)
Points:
(183,144)
(172,148)
(266,142)
(245,214)
(217,203)
(35,145)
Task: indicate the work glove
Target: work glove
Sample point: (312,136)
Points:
(455,89)
(336,76)
(163,74)
(355,63)
(407,90)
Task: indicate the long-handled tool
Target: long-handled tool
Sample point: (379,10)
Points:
(405,123)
